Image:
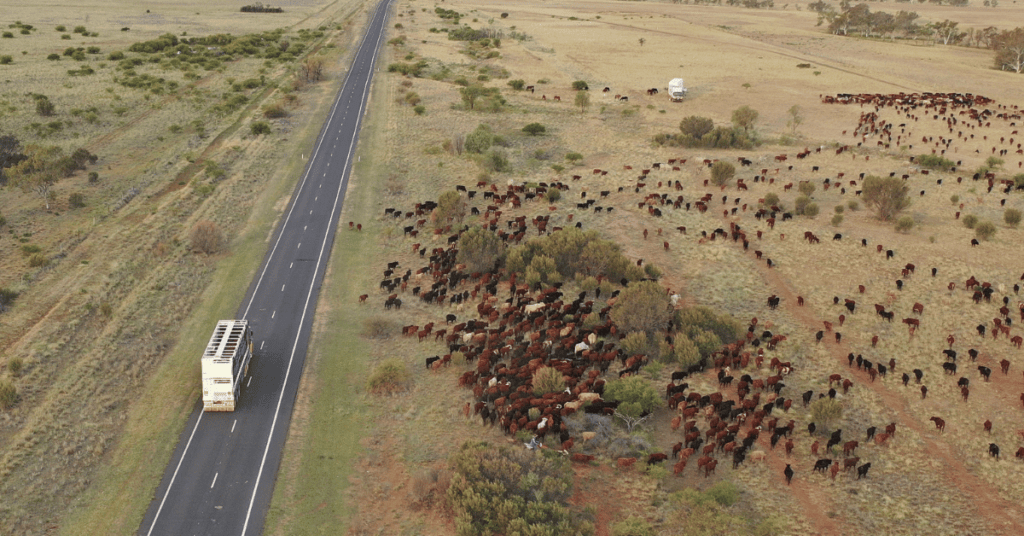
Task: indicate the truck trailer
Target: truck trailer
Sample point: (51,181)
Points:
(225,364)
(676,89)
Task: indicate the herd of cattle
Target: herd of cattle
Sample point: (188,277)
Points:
(518,328)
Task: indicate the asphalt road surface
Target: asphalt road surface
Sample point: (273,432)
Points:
(221,476)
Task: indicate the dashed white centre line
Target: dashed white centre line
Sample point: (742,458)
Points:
(310,212)
(290,265)
(273,314)
(304,227)
(316,197)
(262,343)
(214,480)
(282,288)
(248,382)
(233,426)
(298,246)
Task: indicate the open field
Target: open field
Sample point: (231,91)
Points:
(920,480)
(106,378)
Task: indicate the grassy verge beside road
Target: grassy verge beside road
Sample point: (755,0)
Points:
(114,503)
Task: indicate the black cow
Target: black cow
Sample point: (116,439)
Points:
(822,464)
(863,470)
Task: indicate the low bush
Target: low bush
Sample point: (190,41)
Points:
(904,224)
(534,129)
(207,237)
(260,128)
(553,195)
(853,205)
(380,328)
(391,376)
(15,366)
(969,221)
(837,219)
(76,200)
(633,526)
(8,394)
(1012,217)
(985,230)
(811,210)
(547,380)
(934,161)
(38,260)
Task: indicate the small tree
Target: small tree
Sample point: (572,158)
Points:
(480,139)
(969,221)
(547,380)
(450,207)
(888,196)
(722,172)
(1012,217)
(744,117)
(811,210)
(479,249)
(904,224)
(470,94)
(796,118)
(583,100)
(580,85)
(642,306)
(635,343)
(685,352)
(534,129)
(826,411)
(642,41)
(806,187)
(985,230)
(573,157)
(517,84)
(696,126)
(207,237)
(636,398)
(771,199)
(801,204)
(837,220)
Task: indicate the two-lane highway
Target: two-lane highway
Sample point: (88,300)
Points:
(221,476)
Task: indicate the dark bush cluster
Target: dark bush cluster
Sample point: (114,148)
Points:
(260,8)
(563,254)
(505,491)
(701,132)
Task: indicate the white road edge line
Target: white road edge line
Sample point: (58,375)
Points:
(175,475)
(305,309)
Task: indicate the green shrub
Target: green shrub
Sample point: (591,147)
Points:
(696,126)
(380,328)
(837,219)
(497,161)
(94,177)
(853,205)
(60,28)
(512,491)
(580,85)
(480,140)
(419,109)
(573,157)
(391,376)
(811,210)
(517,84)
(547,380)
(771,199)
(38,260)
(79,30)
(8,394)
(259,128)
(15,366)
(985,230)
(801,204)
(724,493)
(934,161)
(53,57)
(1012,217)
(553,195)
(1018,180)
(904,224)
(6,59)
(969,221)
(642,306)
(633,526)
(954,199)
(8,35)
(806,187)
(479,249)
(839,209)
(76,200)
(534,129)
(30,249)
(826,412)
(722,172)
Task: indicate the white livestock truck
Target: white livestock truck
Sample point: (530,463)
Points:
(225,364)
(676,89)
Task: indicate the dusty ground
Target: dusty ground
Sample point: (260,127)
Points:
(921,481)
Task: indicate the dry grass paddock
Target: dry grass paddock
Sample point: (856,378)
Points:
(729,57)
